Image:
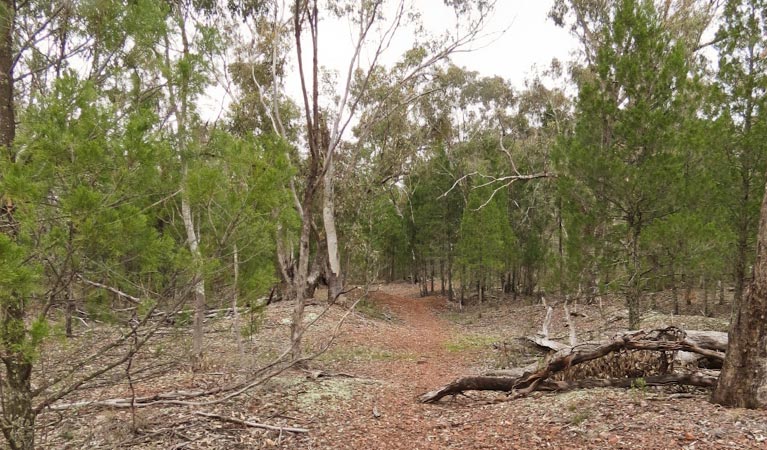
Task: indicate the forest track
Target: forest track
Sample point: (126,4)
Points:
(425,352)
(421,336)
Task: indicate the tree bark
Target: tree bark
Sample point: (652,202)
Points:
(7,109)
(720,288)
(634,284)
(442,276)
(706,306)
(743,382)
(431,275)
(18,413)
(674,293)
(741,246)
(333,275)
(199,282)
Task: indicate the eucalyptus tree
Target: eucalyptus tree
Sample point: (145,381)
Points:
(185,64)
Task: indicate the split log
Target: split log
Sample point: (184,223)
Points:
(667,340)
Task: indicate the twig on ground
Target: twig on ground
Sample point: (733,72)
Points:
(248,423)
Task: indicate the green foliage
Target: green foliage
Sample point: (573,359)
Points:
(486,236)
(18,278)
(626,157)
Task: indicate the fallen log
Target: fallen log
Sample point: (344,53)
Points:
(698,380)
(506,384)
(710,340)
(664,340)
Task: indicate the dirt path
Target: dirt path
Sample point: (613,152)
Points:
(386,414)
(420,337)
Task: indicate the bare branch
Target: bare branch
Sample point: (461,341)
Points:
(248,423)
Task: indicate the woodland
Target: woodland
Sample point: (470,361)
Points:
(400,253)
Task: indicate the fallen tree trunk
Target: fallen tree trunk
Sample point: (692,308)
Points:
(506,384)
(710,340)
(665,340)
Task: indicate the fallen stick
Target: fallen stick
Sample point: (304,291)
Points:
(248,423)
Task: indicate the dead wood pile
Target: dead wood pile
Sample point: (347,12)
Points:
(649,355)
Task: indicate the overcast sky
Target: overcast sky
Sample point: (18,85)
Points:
(530,40)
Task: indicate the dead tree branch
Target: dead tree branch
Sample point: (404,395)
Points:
(665,340)
(248,423)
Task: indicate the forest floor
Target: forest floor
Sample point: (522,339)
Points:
(398,347)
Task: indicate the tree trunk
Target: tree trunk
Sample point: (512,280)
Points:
(634,285)
(390,278)
(743,382)
(17,403)
(70,309)
(16,393)
(442,276)
(199,281)
(687,291)
(70,299)
(674,293)
(333,275)
(720,288)
(300,276)
(706,307)
(235,301)
(431,269)
(450,293)
(7,109)
(514,284)
(741,245)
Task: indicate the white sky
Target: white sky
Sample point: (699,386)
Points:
(530,40)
